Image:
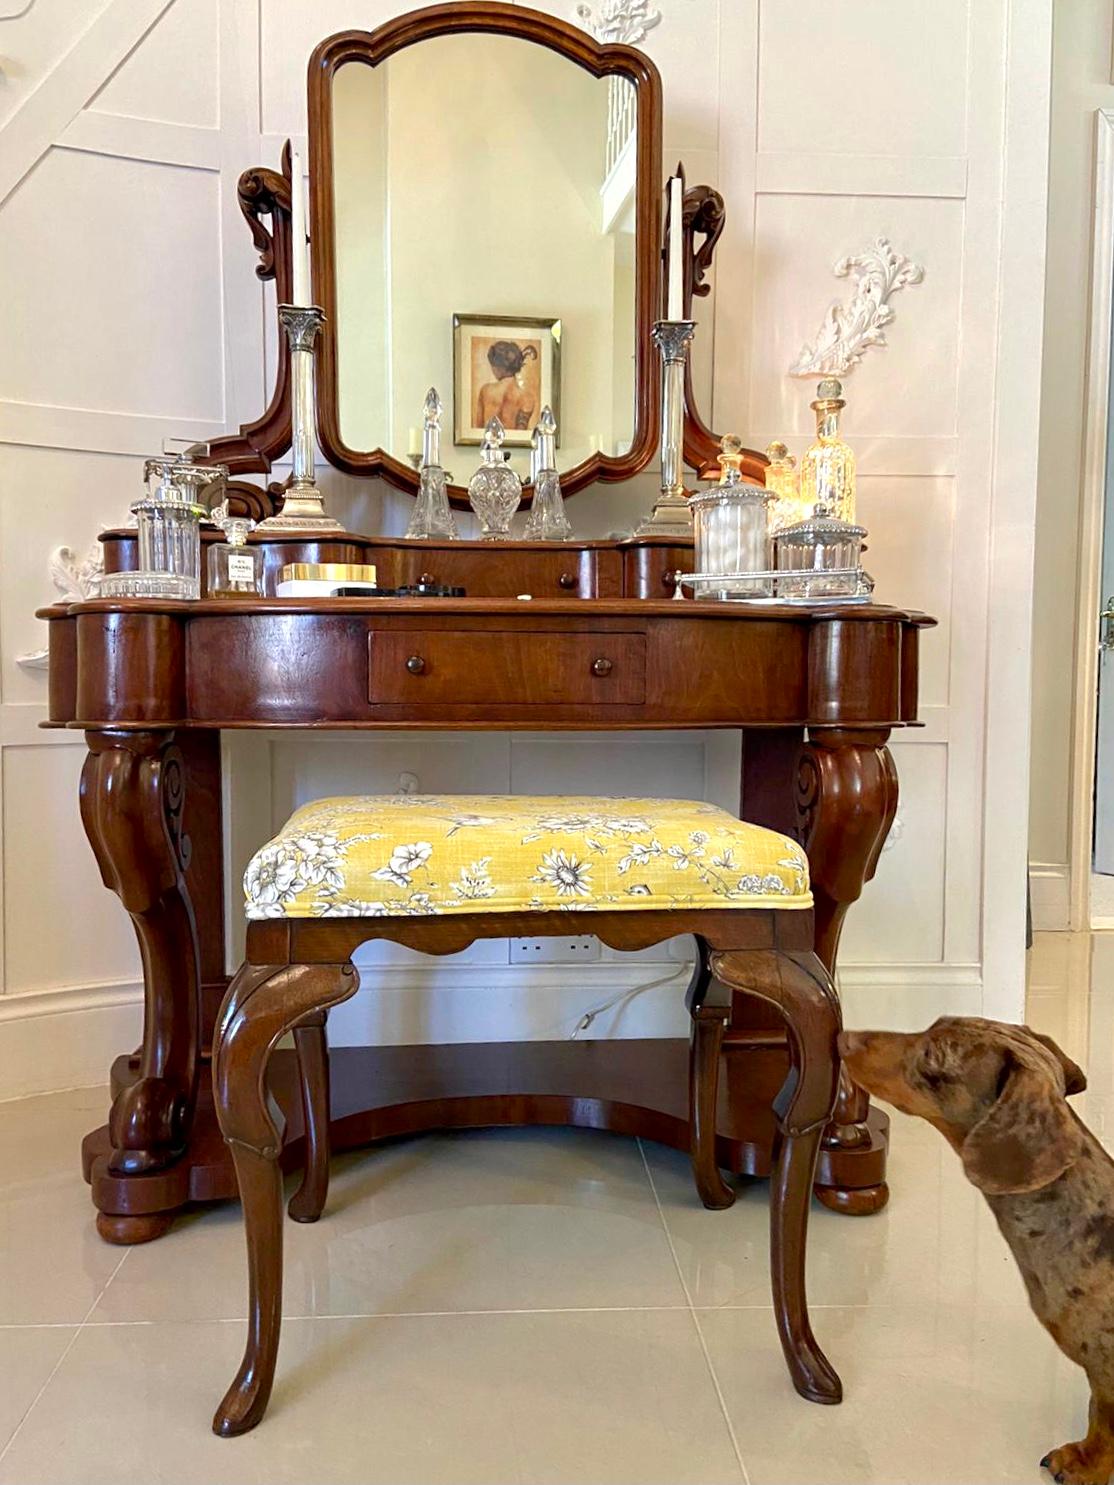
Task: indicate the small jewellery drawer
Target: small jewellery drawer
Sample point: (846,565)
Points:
(439,667)
(495,571)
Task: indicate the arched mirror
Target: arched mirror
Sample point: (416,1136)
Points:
(485,217)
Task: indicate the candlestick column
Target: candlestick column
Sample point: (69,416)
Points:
(671,515)
(303,506)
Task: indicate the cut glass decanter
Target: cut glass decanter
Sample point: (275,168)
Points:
(432,514)
(548,519)
(828,467)
(494,491)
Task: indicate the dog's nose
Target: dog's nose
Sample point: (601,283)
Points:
(850,1042)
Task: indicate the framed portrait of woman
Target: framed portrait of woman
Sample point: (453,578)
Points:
(506,367)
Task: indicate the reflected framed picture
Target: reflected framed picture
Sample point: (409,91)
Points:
(508,367)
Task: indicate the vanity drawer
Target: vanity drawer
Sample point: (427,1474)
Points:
(649,571)
(440,667)
(494,572)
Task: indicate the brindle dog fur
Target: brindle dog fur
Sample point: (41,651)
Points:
(997,1095)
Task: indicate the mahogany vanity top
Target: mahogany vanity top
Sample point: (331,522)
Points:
(480,663)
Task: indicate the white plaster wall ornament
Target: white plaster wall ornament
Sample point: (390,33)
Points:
(75,578)
(620,20)
(849,330)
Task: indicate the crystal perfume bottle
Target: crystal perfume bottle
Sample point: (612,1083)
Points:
(494,491)
(828,467)
(784,484)
(432,513)
(548,520)
(235,569)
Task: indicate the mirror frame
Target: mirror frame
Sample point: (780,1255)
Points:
(601,59)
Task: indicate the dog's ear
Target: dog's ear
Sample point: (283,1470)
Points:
(1028,1137)
(1075,1080)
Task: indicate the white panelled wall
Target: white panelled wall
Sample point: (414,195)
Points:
(131,311)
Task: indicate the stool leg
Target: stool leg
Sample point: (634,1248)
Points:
(709,1022)
(311,1047)
(263,1003)
(800,987)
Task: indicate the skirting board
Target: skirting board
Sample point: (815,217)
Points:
(67,1038)
(1050,896)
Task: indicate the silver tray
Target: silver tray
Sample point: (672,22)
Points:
(707,585)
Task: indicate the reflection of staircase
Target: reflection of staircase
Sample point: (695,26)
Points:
(617,191)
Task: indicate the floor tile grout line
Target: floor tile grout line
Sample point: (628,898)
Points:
(55,1368)
(302,1317)
(382,1315)
(714,1378)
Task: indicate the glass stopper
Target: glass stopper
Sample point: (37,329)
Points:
(431,430)
(546,434)
(731,459)
(494,435)
(236,528)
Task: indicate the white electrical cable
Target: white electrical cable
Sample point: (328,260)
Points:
(589,1016)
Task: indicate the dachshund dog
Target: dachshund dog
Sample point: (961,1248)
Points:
(997,1095)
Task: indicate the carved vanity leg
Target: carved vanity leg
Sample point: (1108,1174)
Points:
(800,987)
(263,1002)
(846,801)
(311,1046)
(709,1022)
(132,797)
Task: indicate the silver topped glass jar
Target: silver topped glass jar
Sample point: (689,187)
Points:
(169,527)
(731,525)
(820,557)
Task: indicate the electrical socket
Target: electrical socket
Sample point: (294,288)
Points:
(566,949)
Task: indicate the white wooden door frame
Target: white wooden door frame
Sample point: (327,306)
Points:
(1089,581)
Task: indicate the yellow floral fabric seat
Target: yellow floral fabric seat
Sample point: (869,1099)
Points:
(374,856)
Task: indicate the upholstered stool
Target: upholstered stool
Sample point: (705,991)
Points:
(437,873)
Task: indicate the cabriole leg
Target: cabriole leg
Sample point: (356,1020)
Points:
(311,1046)
(799,985)
(847,795)
(263,1003)
(132,802)
(710,1018)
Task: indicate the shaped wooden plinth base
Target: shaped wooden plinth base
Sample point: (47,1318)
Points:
(629,1087)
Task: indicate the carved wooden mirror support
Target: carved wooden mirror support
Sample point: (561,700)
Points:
(265,200)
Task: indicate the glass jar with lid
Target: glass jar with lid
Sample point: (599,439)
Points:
(731,525)
(820,557)
(169,532)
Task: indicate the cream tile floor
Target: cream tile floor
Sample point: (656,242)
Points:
(534,1306)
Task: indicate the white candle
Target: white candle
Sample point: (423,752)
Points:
(300,251)
(675,304)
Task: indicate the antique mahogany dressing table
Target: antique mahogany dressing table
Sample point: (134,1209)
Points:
(600,645)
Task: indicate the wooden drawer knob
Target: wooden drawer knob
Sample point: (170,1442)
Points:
(669,579)
(602,666)
(426,577)
(568,580)
(415,665)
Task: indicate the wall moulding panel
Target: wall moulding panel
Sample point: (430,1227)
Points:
(792,173)
(149,321)
(144,139)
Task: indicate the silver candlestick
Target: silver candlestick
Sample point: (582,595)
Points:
(671,515)
(303,506)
